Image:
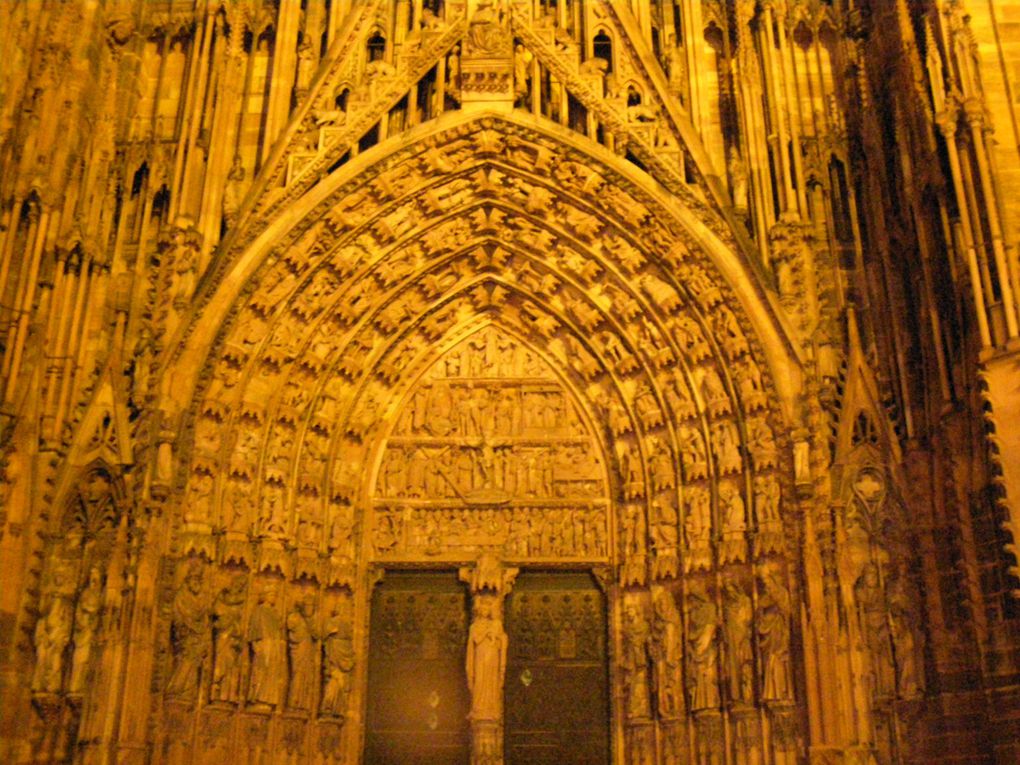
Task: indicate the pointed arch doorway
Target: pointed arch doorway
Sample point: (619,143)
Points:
(555,681)
(636,315)
(493,471)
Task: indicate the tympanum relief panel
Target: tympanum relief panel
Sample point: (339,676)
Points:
(490,454)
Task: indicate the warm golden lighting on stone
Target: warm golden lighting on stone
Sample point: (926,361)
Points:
(509,382)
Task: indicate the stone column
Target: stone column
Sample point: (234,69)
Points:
(485,663)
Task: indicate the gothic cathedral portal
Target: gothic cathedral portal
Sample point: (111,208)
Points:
(505,474)
(502,382)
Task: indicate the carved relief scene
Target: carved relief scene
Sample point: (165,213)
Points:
(490,453)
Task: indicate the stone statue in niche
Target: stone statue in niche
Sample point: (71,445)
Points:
(631,472)
(874,626)
(761,443)
(693,456)
(272,510)
(903,626)
(664,522)
(236,505)
(636,637)
(734,543)
(453,72)
(309,512)
(233,192)
(738,179)
(189,634)
(714,392)
(486,658)
(337,660)
(750,386)
(228,640)
(698,529)
(666,647)
(633,522)
(702,649)
(183,246)
(341,538)
(486,32)
(301,654)
(737,625)
(268,652)
(305,67)
(648,411)
(660,465)
(767,497)
(727,329)
(53,632)
(87,617)
(619,420)
(678,400)
(773,623)
(726,445)
(522,75)
(766,501)
(200,494)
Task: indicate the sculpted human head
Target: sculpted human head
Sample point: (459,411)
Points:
(193,579)
(484,606)
(267,595)
(307,604)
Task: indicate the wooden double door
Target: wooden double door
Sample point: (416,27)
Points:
(556,705)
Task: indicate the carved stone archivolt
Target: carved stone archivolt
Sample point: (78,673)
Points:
(492,365)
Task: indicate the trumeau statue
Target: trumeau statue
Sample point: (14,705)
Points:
(486,658)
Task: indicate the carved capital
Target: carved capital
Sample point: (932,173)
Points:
(489,574)
(974,112)
(947,120)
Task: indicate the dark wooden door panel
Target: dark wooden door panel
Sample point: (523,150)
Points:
(556,702)
(418,699)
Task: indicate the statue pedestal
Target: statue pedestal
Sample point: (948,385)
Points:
(486,742)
